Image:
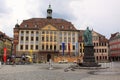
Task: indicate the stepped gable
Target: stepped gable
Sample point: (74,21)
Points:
(36,23)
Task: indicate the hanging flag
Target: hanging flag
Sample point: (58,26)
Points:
(69,48)
(5,55)
(76,49)
(63,47)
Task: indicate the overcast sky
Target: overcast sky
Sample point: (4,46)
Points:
(103,16)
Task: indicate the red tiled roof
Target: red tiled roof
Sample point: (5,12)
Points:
(41,22)
(114,35)
(5,36)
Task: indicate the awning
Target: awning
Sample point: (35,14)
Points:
(28,56)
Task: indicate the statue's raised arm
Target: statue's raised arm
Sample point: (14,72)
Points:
(88,37)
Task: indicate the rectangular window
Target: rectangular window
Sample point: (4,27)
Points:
(43,32)
(22,38)
(32,32)
(99,44)
(46,47)
(100,50)
(36,47)
(54,47)
(65,40)
(27,32)
(60,39)
(27,38)
(32,38)
(60,33)
(22,32)
(73,47)
(47,38)
(105,44)
(50,38)
(37,33)
(36,38)
(21,47)
(50,47)
(69,34)
(42,38)
(73,39)
(54,38)
(94,44)
(31,47)
(42,47)
(69,39)
(26,47)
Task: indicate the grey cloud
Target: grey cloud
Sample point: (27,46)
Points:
(64,16)
(61,9)
(3,8)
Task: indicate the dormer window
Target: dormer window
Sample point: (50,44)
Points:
(62,27)
(70,27)
(36,26)
(26,25)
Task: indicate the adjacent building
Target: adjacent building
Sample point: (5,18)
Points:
(5,42)
(114,46)
(101,50)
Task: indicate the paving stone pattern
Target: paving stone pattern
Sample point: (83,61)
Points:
(42,72)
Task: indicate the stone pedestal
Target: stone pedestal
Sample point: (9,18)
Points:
(89,58)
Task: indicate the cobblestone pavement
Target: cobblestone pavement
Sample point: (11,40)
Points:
(42,72)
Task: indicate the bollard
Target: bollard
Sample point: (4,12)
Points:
(0,64)
(50,65)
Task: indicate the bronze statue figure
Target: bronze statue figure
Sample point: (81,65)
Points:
(88,37)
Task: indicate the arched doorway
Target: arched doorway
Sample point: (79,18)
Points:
(48,57)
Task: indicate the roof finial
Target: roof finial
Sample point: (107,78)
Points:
(49,2)
(17,21)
